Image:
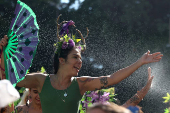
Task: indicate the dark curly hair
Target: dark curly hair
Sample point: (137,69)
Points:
(63,54)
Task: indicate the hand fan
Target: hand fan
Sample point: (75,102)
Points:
(22,43)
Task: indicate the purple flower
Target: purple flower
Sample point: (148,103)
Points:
(65,27)
(71,43)
(85,103)
(94,95)
(105,97)
(64,45)
(71,22)
(79,47)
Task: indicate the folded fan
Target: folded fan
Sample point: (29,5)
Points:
(22,43)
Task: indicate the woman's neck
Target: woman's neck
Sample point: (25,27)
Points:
(62,79)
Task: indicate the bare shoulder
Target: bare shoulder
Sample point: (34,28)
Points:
(21,109)
(39,76)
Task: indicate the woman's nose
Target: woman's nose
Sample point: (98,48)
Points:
(80,60)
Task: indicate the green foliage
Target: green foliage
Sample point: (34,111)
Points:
(167,100)
(166,110)
(17,102)
(28,71)
(43,70)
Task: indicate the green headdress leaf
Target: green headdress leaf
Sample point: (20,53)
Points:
(66,38)
(78,40)
(74,37)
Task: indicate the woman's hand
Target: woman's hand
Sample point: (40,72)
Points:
(149,58)
(3,42)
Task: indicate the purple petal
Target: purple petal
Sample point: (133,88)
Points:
(64,45)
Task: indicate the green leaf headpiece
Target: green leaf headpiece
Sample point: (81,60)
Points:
(65,40)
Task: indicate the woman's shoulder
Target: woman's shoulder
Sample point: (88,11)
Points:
(40,77)
(21,109)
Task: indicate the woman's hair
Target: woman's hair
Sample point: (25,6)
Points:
(108,108)
(62,54)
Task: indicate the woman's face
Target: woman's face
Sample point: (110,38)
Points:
(35,96)
(74,62)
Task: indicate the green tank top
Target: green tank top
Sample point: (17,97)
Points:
(51,98)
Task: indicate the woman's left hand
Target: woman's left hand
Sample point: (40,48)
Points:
(149,58)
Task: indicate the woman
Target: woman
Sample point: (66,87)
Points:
(34,106)
(61,92)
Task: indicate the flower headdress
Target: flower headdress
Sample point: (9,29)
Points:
(68,41)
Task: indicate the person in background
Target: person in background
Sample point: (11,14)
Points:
(34,106)
(8,94)
(107,108)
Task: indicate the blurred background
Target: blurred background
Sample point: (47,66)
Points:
(121,31)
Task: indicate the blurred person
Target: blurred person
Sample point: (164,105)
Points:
(135,109)
(8,94)
(34,106)
(107,108)
(134,101)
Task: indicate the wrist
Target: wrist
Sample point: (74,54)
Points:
(139,62)
(139,95)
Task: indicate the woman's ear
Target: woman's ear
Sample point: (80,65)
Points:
(62,61)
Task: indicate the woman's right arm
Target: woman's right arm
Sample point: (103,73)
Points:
(32,80)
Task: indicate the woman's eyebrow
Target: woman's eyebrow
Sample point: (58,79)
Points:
(77,55)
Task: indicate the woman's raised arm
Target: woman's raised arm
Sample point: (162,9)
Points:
(92,83)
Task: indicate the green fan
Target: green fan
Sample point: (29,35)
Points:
(22,43)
